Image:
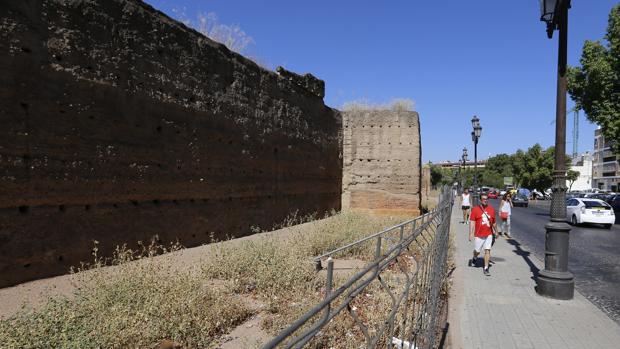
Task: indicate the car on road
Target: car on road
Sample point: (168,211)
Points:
(585,210)
(520,200)
(614,202)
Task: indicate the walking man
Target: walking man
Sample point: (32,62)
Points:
(482,231)
(465,205)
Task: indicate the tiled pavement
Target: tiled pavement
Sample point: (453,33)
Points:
(504,311)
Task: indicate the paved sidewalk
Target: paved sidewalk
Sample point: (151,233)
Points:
(504,311)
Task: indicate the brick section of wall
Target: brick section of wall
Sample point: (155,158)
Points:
(381,161)
(119,123)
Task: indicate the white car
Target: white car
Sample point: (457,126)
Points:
(585,210)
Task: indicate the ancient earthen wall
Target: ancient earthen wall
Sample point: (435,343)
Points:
(381,161)
(119,123)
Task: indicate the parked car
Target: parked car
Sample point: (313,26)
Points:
(614,202)
(502,192)
(520,200)
(492,194)
(599,196)
(585,210)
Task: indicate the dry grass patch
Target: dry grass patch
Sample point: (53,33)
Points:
(143,299)
(135,306)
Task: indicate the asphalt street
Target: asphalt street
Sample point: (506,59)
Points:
(594,254)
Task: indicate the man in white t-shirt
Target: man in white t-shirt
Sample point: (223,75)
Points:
(465,205)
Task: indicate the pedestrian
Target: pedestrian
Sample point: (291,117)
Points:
(505,211)
(482,231)
(465,205)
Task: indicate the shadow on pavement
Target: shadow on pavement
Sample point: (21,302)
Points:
(526,257)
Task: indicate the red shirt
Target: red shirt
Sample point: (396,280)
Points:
(483,222)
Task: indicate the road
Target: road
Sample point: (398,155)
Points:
(594,254)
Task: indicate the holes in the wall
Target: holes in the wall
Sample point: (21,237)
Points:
(158,129)
(58,57)
(26,157)
(89,67)
(192,200)
(62,111)
(115,205)
(175,201)
(86,207)
(134,202)
(61,208)
(60,258)
(24,105)
(23,209)
(91,117)
(27,265)
(160,51)
(157,202)
(194,236)
(26,49)
(275,151)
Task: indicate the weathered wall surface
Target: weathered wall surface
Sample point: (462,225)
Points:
(381,160)
(119,123)
(426,184)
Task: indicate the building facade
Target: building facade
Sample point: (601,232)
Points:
(583,165)
(605,166)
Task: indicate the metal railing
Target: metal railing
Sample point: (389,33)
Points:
(414,253)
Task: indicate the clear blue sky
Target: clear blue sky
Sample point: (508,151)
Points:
(454,59)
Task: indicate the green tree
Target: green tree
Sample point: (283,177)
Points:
(533,169)
(436,175)
(571,177)
(595,86)
(500,164)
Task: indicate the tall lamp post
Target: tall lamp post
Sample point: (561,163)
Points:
(475,135)
(556,281)
(464,161)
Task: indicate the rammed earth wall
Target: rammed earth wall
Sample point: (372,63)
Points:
(382,159)
(119,123)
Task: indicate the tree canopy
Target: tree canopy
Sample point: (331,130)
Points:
(595,86)
(531,168)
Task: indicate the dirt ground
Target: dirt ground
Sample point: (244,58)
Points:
(247,335)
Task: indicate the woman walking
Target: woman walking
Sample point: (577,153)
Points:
(505,211)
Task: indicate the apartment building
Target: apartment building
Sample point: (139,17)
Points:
(605,166)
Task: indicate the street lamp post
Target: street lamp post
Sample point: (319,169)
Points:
(464,161)
(475,135)
(556,281)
